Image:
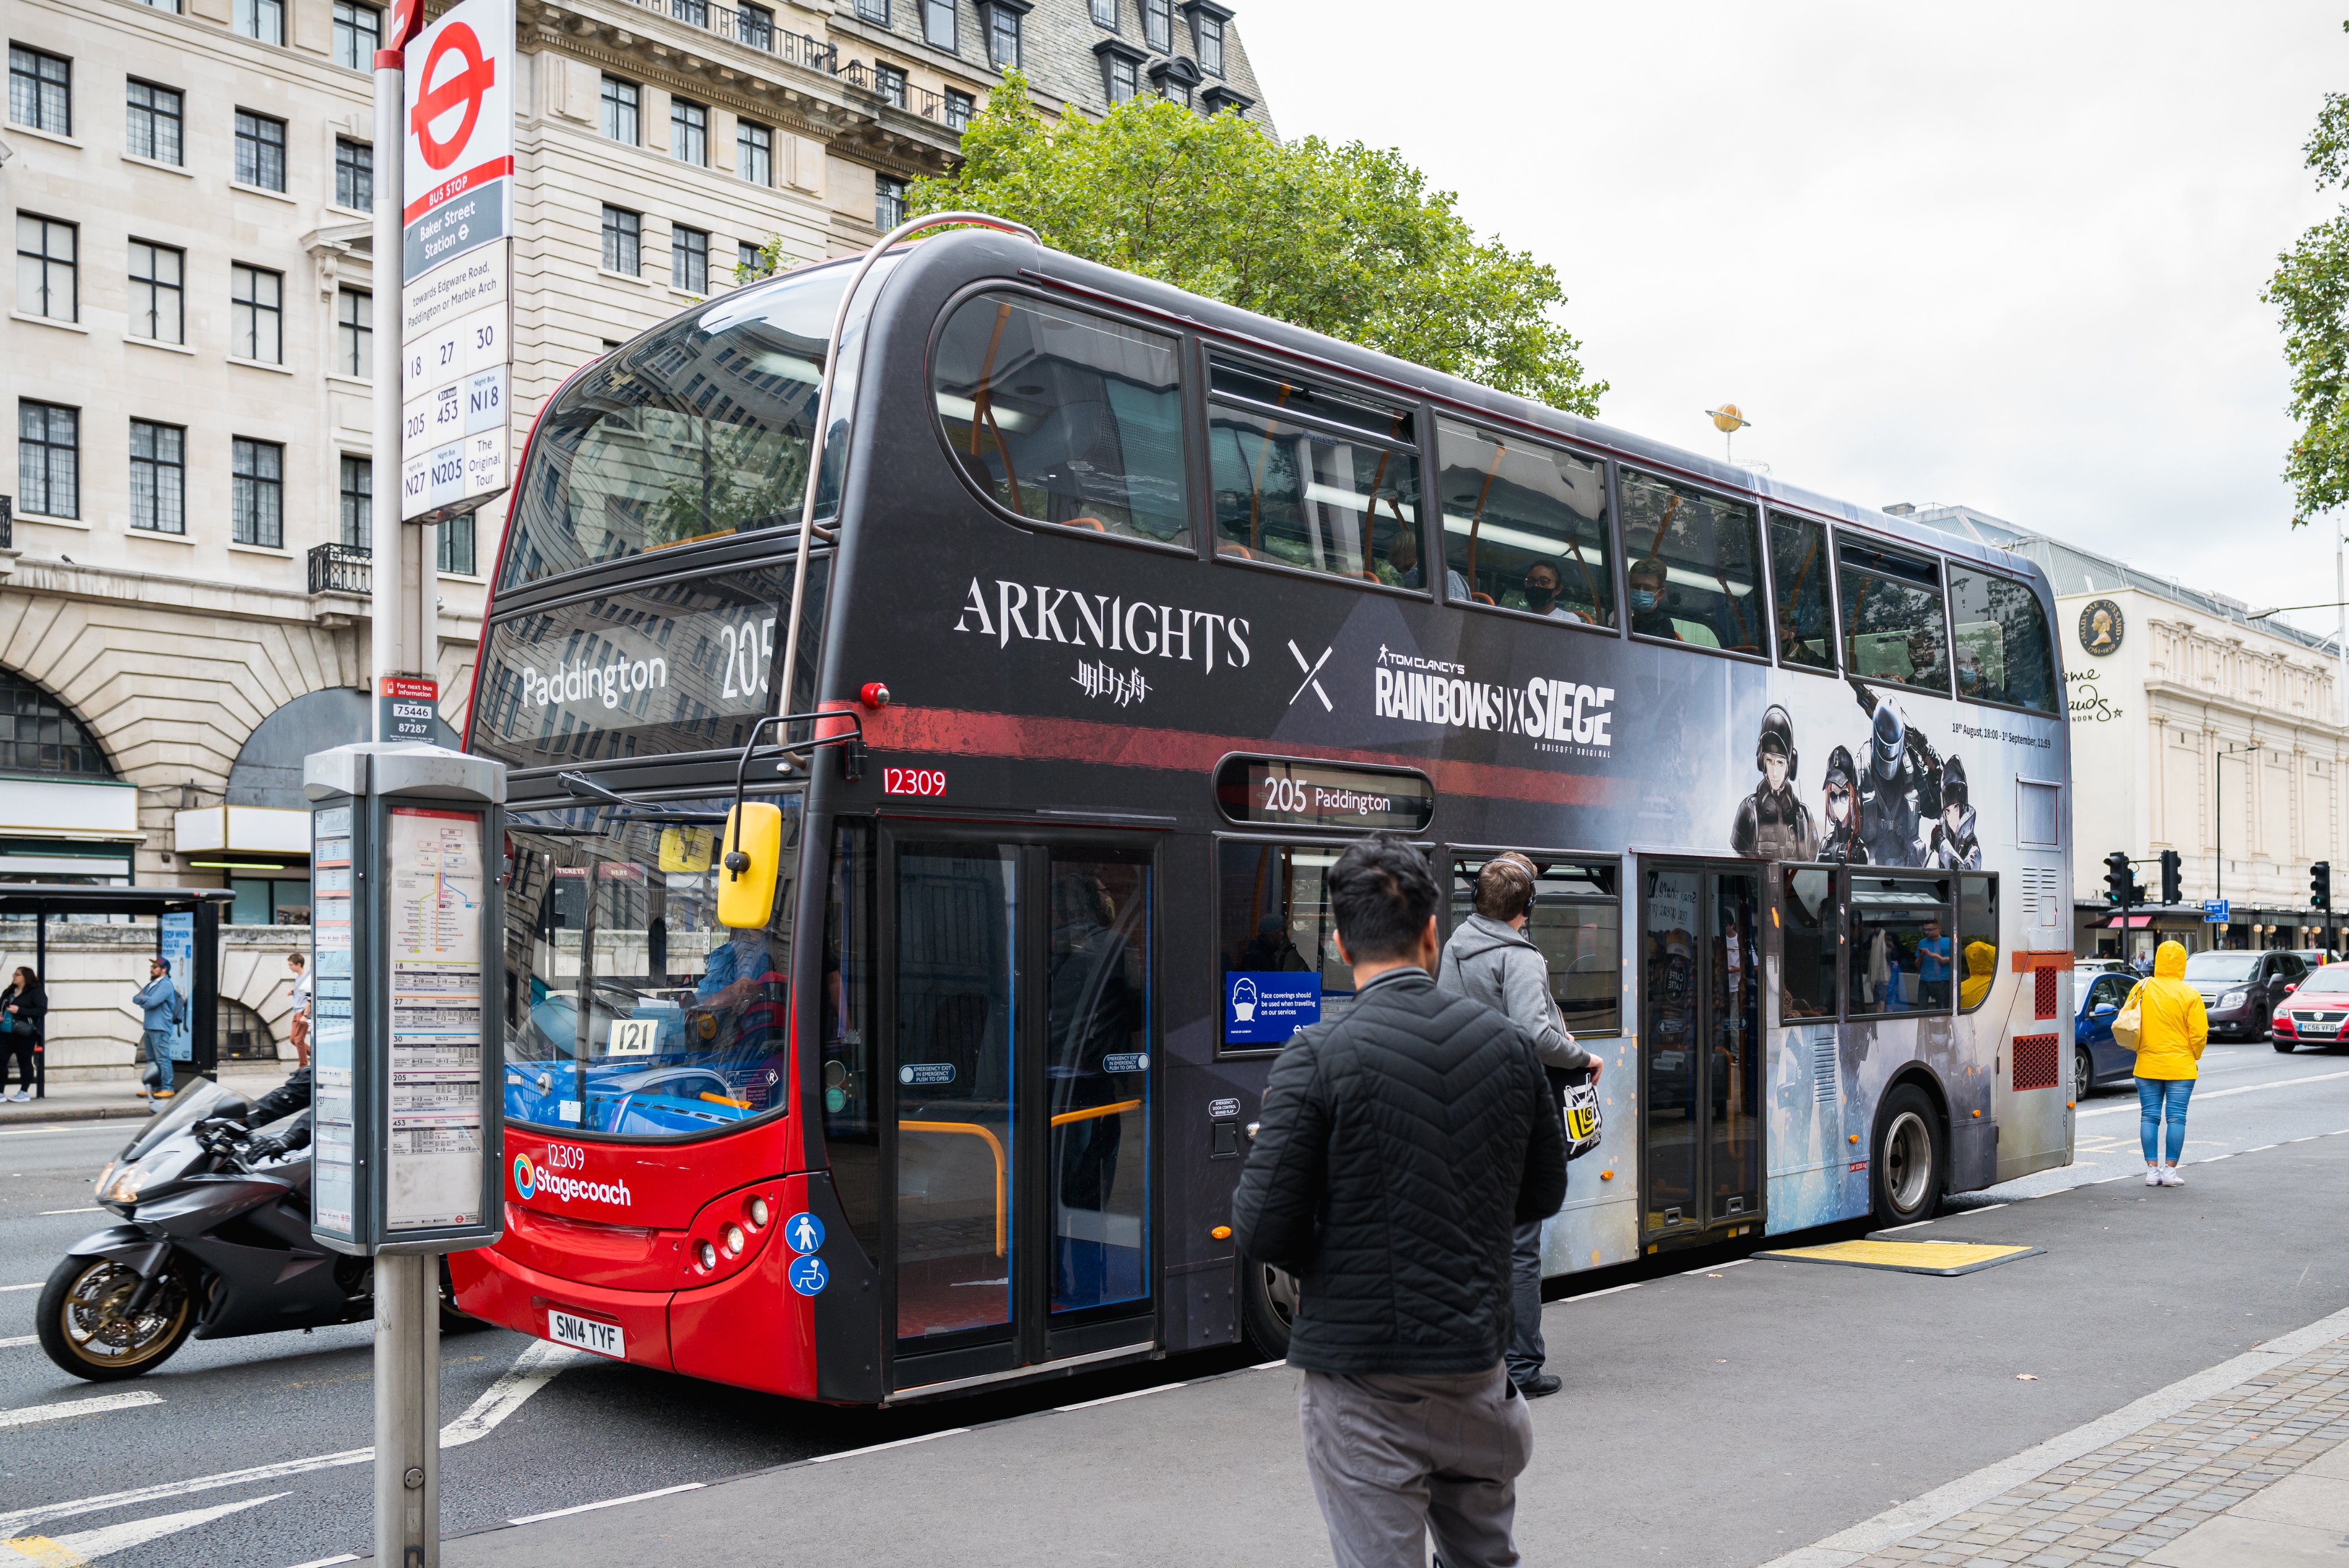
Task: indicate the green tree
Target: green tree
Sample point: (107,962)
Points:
(2311,291)
(1347,241)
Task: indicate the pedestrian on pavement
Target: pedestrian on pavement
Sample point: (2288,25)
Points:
(1398,1146)
(24,1010)
(300,969)
(1490,959)
(160,1008)
(2169,1041)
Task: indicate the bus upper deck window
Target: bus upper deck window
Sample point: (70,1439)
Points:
(1065,417)
(1312,478)
(1695,566)
(1892,624)
(2003,650)
(1525,527)
(1799,568)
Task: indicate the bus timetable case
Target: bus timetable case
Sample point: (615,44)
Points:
(407,945)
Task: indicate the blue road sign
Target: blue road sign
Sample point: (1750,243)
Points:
(2214,912)
(804,1231)
(809,1276)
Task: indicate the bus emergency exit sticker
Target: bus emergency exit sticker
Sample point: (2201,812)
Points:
(1265,1007)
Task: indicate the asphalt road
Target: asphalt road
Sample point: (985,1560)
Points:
(551,1432)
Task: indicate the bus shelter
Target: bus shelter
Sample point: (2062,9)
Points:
(204,905)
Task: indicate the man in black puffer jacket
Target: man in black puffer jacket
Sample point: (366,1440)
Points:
(1397,1147)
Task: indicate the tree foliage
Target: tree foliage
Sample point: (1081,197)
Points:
(1347,241)
(2311,291)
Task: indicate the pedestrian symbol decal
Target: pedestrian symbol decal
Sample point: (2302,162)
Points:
(809,1276)
(804,1231)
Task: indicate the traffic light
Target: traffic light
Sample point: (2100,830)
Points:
(2171,891)
(2118,883)
(2320,884)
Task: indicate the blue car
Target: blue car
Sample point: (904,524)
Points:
(2097,1061)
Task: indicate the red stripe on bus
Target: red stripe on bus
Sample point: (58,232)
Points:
(959,732)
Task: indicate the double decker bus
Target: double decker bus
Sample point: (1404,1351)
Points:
(1119,614)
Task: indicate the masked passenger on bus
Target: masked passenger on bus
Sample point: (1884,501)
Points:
(1403,562)
(1542,587)
(1648,616)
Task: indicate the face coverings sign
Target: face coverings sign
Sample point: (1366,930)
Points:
(1266,1008)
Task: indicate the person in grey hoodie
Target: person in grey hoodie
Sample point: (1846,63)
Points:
(1490,959)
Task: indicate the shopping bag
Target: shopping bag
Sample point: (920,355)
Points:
(2129,1022)
(1580,1103)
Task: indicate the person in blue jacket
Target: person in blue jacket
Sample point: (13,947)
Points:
(160,1009)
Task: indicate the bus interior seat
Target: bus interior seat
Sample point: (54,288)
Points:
(1483,599)
(1095,523)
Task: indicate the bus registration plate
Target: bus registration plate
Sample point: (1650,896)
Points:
(585,1334)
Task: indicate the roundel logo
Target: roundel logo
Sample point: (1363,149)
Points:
(457,92)
(525,1176)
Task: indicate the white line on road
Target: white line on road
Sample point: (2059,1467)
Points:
(14,1340)
(585,1508)
(65,1410)
(36,1285)
(877,1448)
(107,1540)
(2221,1094)
(329,1561)
(85,1208)
(1114,1398)
(500,1401)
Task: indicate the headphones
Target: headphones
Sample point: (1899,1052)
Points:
(1785,728)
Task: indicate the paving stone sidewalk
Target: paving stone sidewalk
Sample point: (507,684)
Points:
(2192,1492)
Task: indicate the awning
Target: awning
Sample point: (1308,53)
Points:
(2132,922)
(53,808)
(240,830)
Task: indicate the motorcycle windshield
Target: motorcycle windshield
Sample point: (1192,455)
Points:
(192,1106)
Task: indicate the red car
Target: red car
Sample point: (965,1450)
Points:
(2315,1012)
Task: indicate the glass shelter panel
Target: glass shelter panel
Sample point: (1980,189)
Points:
(1694,572)
(1525,527)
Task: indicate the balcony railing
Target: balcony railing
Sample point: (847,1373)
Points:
(894,90)
(341,569)
(752,27)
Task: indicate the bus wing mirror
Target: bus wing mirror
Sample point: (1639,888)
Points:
(754,860)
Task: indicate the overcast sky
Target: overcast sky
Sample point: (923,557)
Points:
(2003,256)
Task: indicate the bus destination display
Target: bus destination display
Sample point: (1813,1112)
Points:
(1276,790)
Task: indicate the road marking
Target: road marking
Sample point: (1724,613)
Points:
(12,1340)
(1114,1398)
(877,1448)
(2222,1094)
(65,1410)
(563,1512)
(1898,1523)
(85,1208)
(49,1126)
(1610,1290)
(36,1285)
(329,1561)
(494,1406)
(72,1551)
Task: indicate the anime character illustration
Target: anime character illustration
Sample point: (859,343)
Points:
(1772,823)
(1900,788)
(1841,810)
(1954,845)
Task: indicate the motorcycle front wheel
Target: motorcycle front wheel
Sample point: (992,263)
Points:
(85,1330)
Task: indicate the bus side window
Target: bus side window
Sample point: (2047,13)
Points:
(1901,948)
(1576,921)
(1893,628)
(1799,568)
(1807,931)
(1307,478)
(2004,651)
(1525,527)
(1694,567)
(1977,938)
(1062,416)
(1277,936)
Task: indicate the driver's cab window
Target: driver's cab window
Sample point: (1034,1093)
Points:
(1576,921)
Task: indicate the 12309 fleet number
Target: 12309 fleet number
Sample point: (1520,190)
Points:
(914,781)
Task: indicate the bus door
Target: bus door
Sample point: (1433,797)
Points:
(1700,1037)
(1021,1025)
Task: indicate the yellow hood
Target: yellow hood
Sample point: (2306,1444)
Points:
(2169,962)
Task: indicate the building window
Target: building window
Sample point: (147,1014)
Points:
(624,234)
(359,502)
(1002,36)
(888,203)
(688,131)
(688,258)
(1158,25)
(1207,34)
(938,23)
(49,275)
(157,292)
(457,546)
(620,99)
(256,314)
(40,91)
(38,735)
(889,81)
(754,151)
(257,493)
(1105,13)
(354,175)
(755,25)
(873,11)
(359,34)
(155,123)
(1119,76)
(262,20)
(260,150)
(694,11)
(48,459)
(159,477)
(960,108)
(354,333)
(750,262)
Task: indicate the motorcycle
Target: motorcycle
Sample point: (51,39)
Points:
(216,1244)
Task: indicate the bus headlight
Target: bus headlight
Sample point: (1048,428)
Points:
(734,1243)
(705,1254)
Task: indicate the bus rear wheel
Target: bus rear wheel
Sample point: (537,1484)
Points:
(1910,1165)
(1268,1299)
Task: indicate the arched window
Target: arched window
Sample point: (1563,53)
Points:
(38,734)
(244,1037)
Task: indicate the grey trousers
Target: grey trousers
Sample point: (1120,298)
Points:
(1397,1457)
(1526,1351)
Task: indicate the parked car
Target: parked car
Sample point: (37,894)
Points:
(2097,1061)
(2102,966)
(2241,989)
(2315,958)
(2316,1014)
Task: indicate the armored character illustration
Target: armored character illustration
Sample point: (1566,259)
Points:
(1955,845)
(1842,811)
(1900,787)
(1772,823)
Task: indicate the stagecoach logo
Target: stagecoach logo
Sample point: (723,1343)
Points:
(530,1179)
(1563,716)
(525,1176)
(1140,630)
(612,681)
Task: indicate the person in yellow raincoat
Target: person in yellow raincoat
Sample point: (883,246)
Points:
(2171,1036)
(1982,968)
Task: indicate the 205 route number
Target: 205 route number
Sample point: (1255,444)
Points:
(914,781)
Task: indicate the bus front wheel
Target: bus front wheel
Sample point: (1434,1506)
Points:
(1268,1298)
(1910,1166)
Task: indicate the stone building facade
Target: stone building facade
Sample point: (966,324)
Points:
(186,357)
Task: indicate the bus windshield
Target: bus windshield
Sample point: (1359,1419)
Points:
(629,1009)
(696,430)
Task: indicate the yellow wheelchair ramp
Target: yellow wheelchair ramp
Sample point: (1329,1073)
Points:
(1944,1258)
